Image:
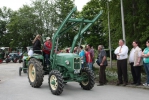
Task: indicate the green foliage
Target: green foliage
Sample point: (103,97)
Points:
(45,10)
(63,7)
(2,26)
(41,17)
(95,34)
(23,26)
(136,21)
(5,14)
(45,16)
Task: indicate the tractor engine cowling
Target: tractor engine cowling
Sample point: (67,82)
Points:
(70,61)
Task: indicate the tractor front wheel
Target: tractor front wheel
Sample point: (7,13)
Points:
(20,69)
(88,82)
(56,82)
(35,73)
(24,67)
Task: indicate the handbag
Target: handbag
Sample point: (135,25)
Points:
(95,65)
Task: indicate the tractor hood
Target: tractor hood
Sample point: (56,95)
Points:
(69,60)
(67,55)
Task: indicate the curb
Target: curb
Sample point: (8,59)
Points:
(131,86)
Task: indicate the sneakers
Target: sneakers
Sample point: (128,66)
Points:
(145,84)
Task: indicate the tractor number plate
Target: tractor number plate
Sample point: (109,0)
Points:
(76,71)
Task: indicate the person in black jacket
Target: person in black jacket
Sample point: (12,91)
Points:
(37,44)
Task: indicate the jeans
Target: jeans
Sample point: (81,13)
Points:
(47,56)
(89,65)
(146,66)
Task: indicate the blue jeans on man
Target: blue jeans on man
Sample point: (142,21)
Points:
(146,66)
(90,65)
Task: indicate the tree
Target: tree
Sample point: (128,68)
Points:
(95,34)
(45,10)
(23,26)
(63,7)
(5,14)
(52,13)
(136,24)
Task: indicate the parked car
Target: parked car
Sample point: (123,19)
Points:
(12,57)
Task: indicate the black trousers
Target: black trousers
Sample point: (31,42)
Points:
(136,73)
(102,75)
(122,70)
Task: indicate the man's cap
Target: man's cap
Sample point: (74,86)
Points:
(48,38)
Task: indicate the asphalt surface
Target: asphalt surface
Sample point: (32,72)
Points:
(15,87)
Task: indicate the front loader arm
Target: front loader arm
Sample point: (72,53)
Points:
(83,30)
(59,31)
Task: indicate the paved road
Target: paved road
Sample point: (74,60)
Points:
(14,87)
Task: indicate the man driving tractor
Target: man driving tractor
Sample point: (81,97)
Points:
(47,49)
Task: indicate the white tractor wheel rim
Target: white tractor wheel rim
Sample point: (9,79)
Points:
(85,83)
(53,86)
(32,73)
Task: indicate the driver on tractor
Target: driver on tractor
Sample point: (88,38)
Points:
(47,49)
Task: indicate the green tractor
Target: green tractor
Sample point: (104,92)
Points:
(25,60)
(64,67)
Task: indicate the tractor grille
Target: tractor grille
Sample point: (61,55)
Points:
(77,63)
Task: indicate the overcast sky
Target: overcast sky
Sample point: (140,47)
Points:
(16,4)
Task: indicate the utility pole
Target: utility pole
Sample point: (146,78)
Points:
(110,51)
(122,16)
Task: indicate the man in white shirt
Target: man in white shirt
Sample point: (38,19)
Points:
(122,55)
(135,63)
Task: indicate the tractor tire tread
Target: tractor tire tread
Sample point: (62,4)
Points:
(39,73)
(91,83)
(59,90)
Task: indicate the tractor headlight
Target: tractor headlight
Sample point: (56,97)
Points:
(67,62)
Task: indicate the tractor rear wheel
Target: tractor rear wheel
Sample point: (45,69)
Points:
(56,82)
(89,82)
(35,73)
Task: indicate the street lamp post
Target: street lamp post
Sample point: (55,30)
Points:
(123,26)
(109,33)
